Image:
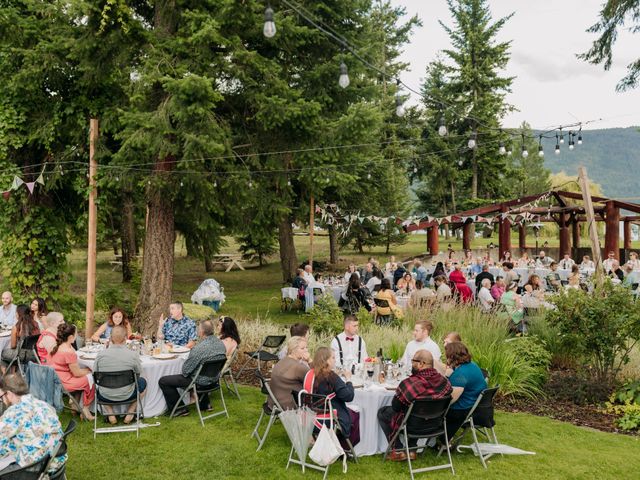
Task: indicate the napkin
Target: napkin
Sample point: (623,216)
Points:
(374,387)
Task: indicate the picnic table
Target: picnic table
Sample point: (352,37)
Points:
(229,260)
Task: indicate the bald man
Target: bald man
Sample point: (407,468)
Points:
(8,311)
(48,336)
(424,383)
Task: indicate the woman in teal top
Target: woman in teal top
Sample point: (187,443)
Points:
(513,304)
(467,381)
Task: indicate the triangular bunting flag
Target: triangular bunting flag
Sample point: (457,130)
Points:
(40,179)
(30,186)
(417,221)
(17,181)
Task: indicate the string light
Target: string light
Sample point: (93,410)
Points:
(460,162)
(400,111)
(502,150)
(368,176)
(509,151)
(343,81)
(269,29)
(415,169)
(540,149)
(472,141)
(181,184)
(215,183)
(571,142)
(442,129)
(250,184)
(557,149)
(580,136)
(289,183)
(561,137)
(525,152)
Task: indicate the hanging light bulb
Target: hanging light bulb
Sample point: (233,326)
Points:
(540,151)
(571,142)
(250,184)
(525,152)
(460,162)
(502,150)
(117,179)
(148,182)
(472,141)
(557,149)
(400,111)
(181,184)
(289,183)
(580,136)
(509,151)
(368,176)
(442,129)
(215,183)
(561,137)
(269,29)
(343,81)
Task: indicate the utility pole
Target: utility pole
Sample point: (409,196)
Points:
(93,214)
(312,221)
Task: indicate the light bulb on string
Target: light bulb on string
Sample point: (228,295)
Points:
(540,149)
(442,129)
(368,176)
(117,179)
(460,162)
(557,149)
(181,183)
(580,136)
(215,183)
(571,142)
(502,150)
(269,29)
(472,141)
(250,184)
(148,182)
(509,151)
(400,111)
(525,152)
(344,81)
(415,169)
(289,183)
(561,137)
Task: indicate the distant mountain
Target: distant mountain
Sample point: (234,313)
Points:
(612,158)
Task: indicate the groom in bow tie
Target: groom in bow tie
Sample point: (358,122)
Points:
(348,347)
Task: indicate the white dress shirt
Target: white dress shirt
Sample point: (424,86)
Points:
(588,264)
(373,281)
(8,315)
(486,300)
(349,350)
(308,277)
(413,346)
(347,276)
(607,264)
(567,264)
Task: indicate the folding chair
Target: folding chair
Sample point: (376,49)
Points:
(480,419)
(424,419)
(61,472)
(120,379)
(381,319)
(209,369)
(271,342)
(25,346)
(35,471)
(227,375)
(74,404)
(273,413)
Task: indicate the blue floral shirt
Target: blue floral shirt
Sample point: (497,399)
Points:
(179,332)
(30,430)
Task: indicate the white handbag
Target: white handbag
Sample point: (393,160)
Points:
(327,449)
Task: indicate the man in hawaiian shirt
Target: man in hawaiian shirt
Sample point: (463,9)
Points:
(29,428)
(178,329)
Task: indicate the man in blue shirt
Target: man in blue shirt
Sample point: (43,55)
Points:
(178,329)
(420,271)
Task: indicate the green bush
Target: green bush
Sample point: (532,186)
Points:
(600,328)
(625,402)
(533,349)
(326,318)
(198,313)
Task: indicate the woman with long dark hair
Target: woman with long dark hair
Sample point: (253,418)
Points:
(228,333)
(38,309)
(25,327)
(354,297)
(117,316)
(64,360)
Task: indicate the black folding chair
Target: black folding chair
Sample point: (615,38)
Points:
(424,419)
(61,472)
(31,472)
(26,348)
(209,369)
(480,419)
(119,379)
(271,342)
(272,412)
(382,319)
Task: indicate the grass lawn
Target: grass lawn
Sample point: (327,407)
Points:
(182,449)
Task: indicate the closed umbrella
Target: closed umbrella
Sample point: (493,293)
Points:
(299,425)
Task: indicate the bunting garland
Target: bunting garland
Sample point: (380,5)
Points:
(18,182)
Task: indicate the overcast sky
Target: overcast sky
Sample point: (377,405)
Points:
(552,86)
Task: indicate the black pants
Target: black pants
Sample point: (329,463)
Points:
(385,415)
(455,419)
(170,384)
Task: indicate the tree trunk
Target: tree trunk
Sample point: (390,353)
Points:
(333,244)
(157,267)
(127,235)
(208,257)
(446,225)
(288,256)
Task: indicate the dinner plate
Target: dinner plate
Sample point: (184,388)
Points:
(5,333)
(89,356)
(164,356)
(179,349)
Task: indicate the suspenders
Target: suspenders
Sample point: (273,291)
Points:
(340,349)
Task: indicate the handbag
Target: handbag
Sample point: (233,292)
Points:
(327,449)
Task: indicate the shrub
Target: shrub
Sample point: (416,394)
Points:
(326,317)
(625,402)
(600,328)
(197,313)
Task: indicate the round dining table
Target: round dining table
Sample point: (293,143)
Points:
(368,400)
(153,369)
(5,339)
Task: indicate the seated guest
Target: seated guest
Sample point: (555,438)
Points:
(296,330)
(354,298)
(348,346)
(468,258)
(484,296)
(498,288)
(587,263)
(29,428)
(398,273)
(299,282)
(567,262)
(633,261)
(534,286)
(351,271)
(425,383)
(553,278)
(64,360)
(48,337)
(288,374)
(506,257)
(608,263)
(307,274)
(178,329)
(25,327)
(574,277)
(38,310)
(451,337)
(421,296)
(8,316)
(476,267)
(543,261)
(117,316)
(118,358)
(421,341)
(513,304)
(524,261)
(631,276)
(443,291)
(367,273)
(460,283)
(210,348)
(420,271)
(228,333)
(385,293)
(375,280)
(508,273)
(406,284)
(616,272)
(439,270)
(482,275)
(322,380)
(391,265)
(467,381)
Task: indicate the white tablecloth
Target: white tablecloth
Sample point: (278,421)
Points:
(153,401)
(372,439)
(4,342)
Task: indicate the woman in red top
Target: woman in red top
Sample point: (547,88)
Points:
(47,340)
(460,285)
(24,327)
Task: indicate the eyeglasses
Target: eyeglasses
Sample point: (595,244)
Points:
(3,395)
(415,360)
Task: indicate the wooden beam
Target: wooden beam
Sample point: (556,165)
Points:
(578,196)
(627,206)
(627,236)
(591,223)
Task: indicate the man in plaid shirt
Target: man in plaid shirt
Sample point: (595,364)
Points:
(424,383)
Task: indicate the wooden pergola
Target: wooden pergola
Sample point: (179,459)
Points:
(563,208)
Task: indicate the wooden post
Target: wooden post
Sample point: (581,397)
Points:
(93,214)
(466,235)
(312,221)
(565,248)
(575,233)
(612,229)
(504,236)
(433,240)
(627,237)
(522,237)
(591,222)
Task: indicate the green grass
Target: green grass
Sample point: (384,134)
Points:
(181,448)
